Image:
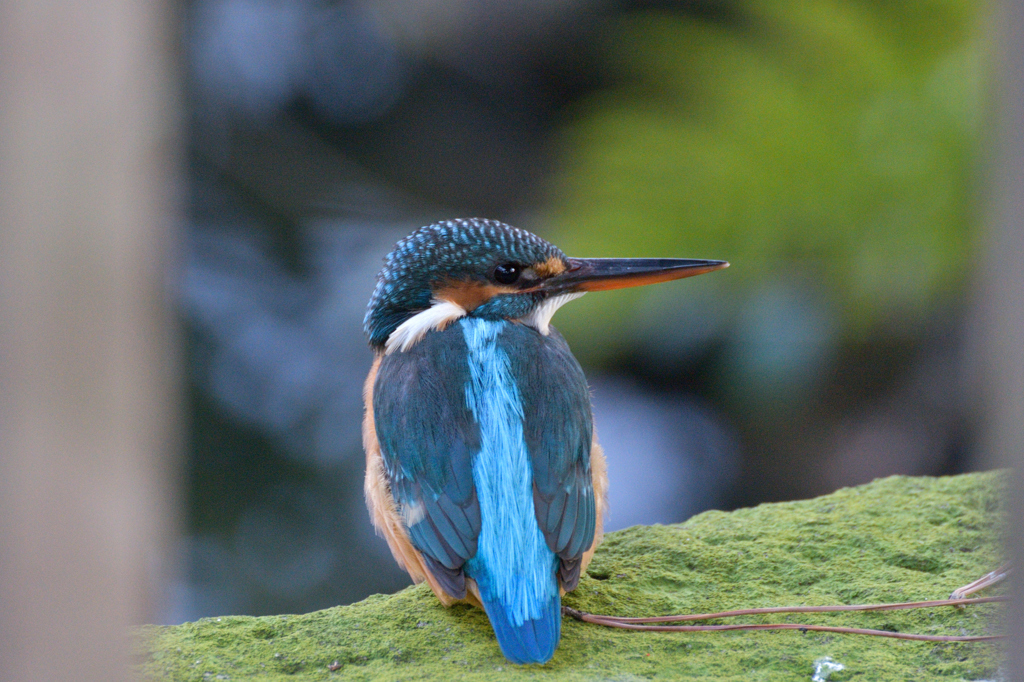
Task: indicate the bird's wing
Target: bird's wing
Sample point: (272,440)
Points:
(558,429)
(428,438)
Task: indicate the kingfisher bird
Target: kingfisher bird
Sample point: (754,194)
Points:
(482,470)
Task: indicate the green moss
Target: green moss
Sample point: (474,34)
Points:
(896,539)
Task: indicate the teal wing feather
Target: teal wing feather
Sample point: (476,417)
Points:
(428,438)
(558,428)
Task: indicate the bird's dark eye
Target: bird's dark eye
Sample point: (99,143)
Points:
(507,273)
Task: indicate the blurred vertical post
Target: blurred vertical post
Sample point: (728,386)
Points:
(87,353)
(1001,299)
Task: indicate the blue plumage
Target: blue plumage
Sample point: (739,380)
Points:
(558,429)
(453,435)
(513,566)
(428,439)
(533,641)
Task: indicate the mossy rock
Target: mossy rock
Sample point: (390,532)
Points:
(896,539)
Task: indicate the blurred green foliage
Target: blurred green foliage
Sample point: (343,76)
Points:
(834,143)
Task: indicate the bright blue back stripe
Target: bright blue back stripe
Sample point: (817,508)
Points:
(513,566)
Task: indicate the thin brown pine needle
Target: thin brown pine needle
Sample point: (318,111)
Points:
(648,623)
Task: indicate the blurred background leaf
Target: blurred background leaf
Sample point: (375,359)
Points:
(835,143)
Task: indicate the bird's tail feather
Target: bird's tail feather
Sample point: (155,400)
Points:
(535,640)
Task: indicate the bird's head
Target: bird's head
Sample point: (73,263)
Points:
(484,268)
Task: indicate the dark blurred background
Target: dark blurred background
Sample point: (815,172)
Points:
(834,152)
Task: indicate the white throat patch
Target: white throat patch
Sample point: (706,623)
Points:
(540,318)
(438,316)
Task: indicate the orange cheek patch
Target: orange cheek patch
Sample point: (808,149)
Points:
(470,295)
(549,268)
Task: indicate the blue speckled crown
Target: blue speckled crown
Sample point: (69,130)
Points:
(461,249)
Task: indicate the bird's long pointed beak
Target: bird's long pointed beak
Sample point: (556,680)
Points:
(603,274)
